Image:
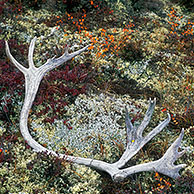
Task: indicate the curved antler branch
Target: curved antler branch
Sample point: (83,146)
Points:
(148,115)
(55,62)
(33,77)
(30,53)
(13,60)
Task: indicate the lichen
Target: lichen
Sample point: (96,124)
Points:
(93,118)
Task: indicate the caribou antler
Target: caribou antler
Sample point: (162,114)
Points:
(135,140)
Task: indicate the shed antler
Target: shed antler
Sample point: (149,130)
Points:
(135,140)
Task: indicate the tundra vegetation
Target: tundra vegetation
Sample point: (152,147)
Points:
(137,51)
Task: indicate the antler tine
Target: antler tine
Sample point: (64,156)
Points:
(66,50)
(55,62)
(166,163)
(31,52)
(147,117)
(129,126)
(157,129)
(13,60)
(132,133)
(173,149)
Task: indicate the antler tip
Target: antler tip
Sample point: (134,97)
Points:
(181,134)
(152,101)
(169,117)
(34,39)
(6,44)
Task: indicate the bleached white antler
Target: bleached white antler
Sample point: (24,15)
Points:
(164,165)
(135,140)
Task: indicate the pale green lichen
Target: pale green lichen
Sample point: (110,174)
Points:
(18,178)
(84,186)
(2,130)
(92,118)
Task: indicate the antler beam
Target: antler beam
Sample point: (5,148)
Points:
(135,140)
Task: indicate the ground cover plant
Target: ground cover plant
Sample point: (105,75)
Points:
(134,55)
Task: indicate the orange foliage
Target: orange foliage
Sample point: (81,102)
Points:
(162,184)
(174,22)
(105,41)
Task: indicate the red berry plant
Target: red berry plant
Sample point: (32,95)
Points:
(61,87)
(11,81)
